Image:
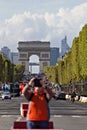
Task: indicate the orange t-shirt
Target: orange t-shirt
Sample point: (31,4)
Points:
(38,109)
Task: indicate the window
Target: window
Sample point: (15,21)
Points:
(23,55)
(45,64)
(45,55)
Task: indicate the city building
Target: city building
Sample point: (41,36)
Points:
(14,57)
(6,52)
(64,46)
(54,55)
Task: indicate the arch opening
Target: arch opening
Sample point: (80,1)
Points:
(34,64)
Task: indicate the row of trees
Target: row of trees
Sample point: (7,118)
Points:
(8,71)
(72,67)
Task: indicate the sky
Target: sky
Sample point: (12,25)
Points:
(43,20)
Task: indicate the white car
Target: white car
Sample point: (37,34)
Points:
(6,95)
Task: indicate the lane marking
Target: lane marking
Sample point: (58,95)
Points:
(58,129)
(76,116)
(19,118)
(58,116)
(6,115)
(9,116)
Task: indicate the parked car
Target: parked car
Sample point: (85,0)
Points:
(6,95)
(61,95)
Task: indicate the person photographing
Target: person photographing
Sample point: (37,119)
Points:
(38,111)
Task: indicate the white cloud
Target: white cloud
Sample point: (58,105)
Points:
(47,26)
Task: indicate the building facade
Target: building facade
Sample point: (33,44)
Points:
(64,46)
(54,55)
(29,48)
(14,57)
(6,51)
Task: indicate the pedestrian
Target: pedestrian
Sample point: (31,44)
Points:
(21,87)
(7,87)
(73,95)
(38,111)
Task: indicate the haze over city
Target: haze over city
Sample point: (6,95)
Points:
(43,20)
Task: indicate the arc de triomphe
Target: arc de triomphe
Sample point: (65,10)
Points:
(39,48)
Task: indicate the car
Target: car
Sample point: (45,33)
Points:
(61,95)
(6,95)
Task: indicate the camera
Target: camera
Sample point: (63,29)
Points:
(37,82)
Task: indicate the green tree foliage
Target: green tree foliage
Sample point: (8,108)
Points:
(60,71)
(84,40)
(68,66)
(75,60)
(73,66)
(51,73)
(83,53)
(18,72)
(1,67)
(8,71)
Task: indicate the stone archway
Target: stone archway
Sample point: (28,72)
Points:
(34,64)
(26,49)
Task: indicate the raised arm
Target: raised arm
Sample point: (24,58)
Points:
(27,89)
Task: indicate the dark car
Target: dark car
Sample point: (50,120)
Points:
(61,95)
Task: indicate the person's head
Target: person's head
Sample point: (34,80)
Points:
(37,82)
(38,85)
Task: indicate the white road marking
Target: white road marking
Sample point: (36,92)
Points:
(6,115)
(9,115)
(58,116)
(58,129)
(76,116)
(19,118)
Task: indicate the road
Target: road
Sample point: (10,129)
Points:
(64,114)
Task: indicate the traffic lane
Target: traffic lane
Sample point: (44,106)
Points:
(62,107)
(60,122)
(11,107)
(70,122)
(6,121)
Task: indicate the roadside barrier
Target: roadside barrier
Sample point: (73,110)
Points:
(21,125)
(68,97)
(77,98)
(23,109)
(83,99)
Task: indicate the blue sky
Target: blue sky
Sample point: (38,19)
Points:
(45,20)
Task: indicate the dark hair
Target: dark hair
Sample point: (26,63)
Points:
(37,82)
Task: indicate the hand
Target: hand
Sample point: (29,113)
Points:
(31,82)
